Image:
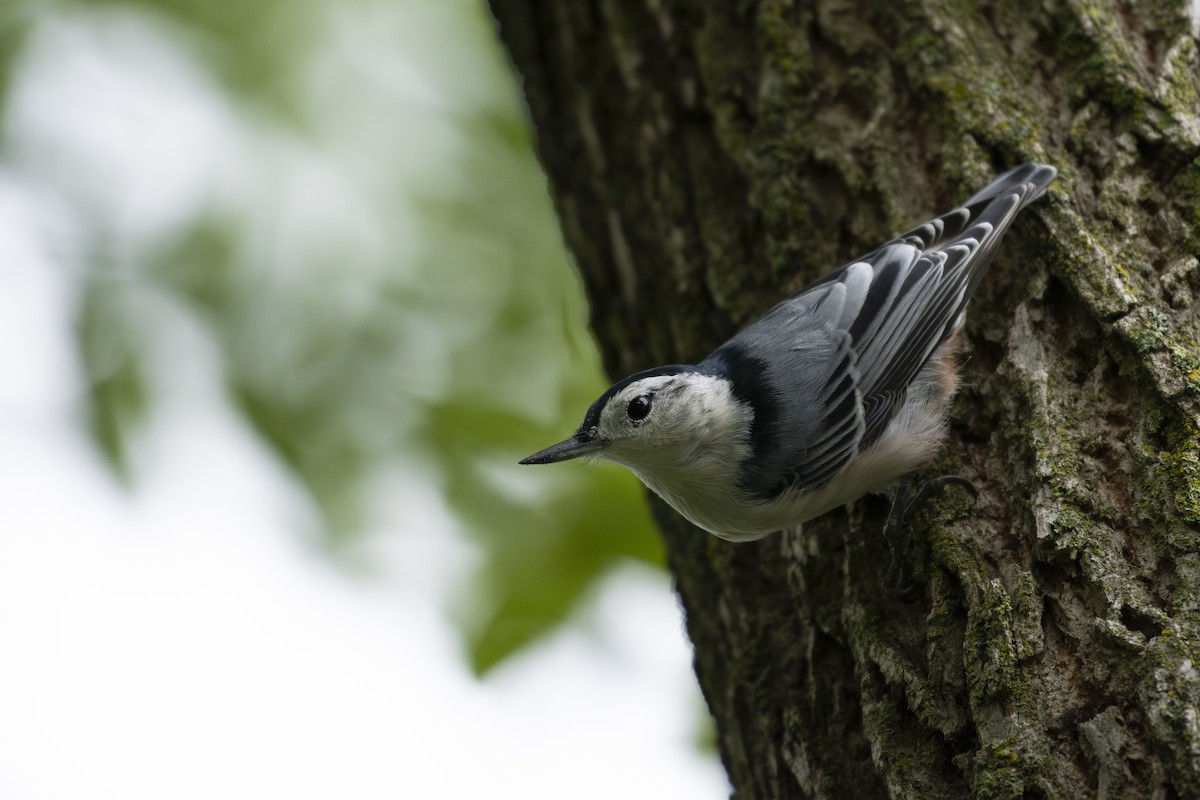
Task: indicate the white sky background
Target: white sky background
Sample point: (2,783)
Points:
(177,638)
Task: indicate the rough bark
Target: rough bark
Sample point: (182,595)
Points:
(708,157)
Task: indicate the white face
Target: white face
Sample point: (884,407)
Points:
(667,420)
(662,426)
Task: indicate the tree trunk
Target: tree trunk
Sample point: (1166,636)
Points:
(708,158)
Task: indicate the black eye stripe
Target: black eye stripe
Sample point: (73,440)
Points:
(638,408)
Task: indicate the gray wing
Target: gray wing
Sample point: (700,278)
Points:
(827,369)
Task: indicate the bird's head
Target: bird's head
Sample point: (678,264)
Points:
(664,418)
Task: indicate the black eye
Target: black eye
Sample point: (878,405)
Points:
(639,407)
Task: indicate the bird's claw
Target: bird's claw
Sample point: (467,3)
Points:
(895,532)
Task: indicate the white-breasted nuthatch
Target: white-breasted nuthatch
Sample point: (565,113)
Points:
(835,392)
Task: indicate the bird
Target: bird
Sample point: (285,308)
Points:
(840,390)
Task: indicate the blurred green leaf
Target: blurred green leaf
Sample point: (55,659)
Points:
(117,392)
(16,16)
(536,575)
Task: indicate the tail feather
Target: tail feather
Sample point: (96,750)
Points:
(1040,175)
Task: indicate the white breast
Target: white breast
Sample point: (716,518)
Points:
(707,495)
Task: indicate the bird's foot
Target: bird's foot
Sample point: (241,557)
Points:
(908,500)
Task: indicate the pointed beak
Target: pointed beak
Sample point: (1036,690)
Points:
(581,444)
